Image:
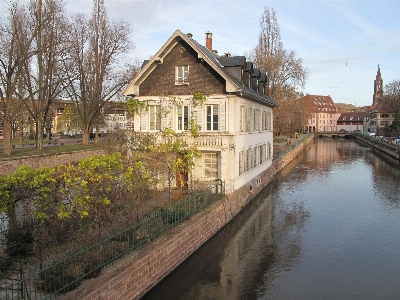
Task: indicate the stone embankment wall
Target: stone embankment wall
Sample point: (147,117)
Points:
(134,275)
(10,165)
(389,150)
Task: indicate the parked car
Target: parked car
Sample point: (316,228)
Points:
(385,139)
(396,142)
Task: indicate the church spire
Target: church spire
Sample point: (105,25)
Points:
(378,87)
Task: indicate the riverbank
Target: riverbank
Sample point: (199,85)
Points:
(134,275)
(385,148)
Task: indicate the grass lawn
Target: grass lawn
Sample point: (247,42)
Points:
(28,149)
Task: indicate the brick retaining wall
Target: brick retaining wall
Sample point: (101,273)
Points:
(134,275)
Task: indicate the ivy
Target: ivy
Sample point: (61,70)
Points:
(198,99)
(135,106)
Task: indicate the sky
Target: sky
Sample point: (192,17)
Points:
(340,42)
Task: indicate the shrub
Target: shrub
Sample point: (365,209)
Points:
(20,240)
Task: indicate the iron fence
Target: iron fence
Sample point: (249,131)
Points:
(49,281)
(288,148)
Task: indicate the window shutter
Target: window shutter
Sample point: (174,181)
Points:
(199,117)
(223,117)
(143,120)
(170,118)
(248,119)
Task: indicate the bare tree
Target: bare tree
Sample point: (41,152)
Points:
(97,70)
(16,49)
(43,76)
(286,75)
(392,94)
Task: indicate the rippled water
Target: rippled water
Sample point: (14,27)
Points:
(327,228)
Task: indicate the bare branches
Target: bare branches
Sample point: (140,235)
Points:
(96,72)
(285,74)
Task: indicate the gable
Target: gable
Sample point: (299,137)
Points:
(208,72)
(161,80)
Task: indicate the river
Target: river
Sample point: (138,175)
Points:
(327,227)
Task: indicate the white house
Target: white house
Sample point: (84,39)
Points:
(352,121)
(236,136)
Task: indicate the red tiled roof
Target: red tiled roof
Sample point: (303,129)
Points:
(353,115)
(320,103)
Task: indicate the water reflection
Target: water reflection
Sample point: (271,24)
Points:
(325,228)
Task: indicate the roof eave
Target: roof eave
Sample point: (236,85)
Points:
(262,100)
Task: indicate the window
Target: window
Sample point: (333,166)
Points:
(182,74)
(183,117)
(212,117)
(155,117)
(211,165)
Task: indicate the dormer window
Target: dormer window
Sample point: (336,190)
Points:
(182,74)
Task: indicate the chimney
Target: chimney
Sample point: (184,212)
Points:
(208,40)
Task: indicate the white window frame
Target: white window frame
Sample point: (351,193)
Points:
(211,165)
(182,75)
(181,116)
(210,121)
(154,117)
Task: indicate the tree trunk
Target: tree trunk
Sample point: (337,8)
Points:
(96,137)
(7,138)
(85,137)
(39,134)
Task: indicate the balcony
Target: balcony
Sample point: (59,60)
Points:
(204,139)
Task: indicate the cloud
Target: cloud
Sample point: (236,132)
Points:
(355,20)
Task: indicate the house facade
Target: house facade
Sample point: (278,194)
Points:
(324,114)
(351,121)
(236,134)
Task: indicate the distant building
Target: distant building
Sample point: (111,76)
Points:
(381,113)
(116,117)
(324,113)
(351,121)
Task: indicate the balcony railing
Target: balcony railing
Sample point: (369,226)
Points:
(204,139)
